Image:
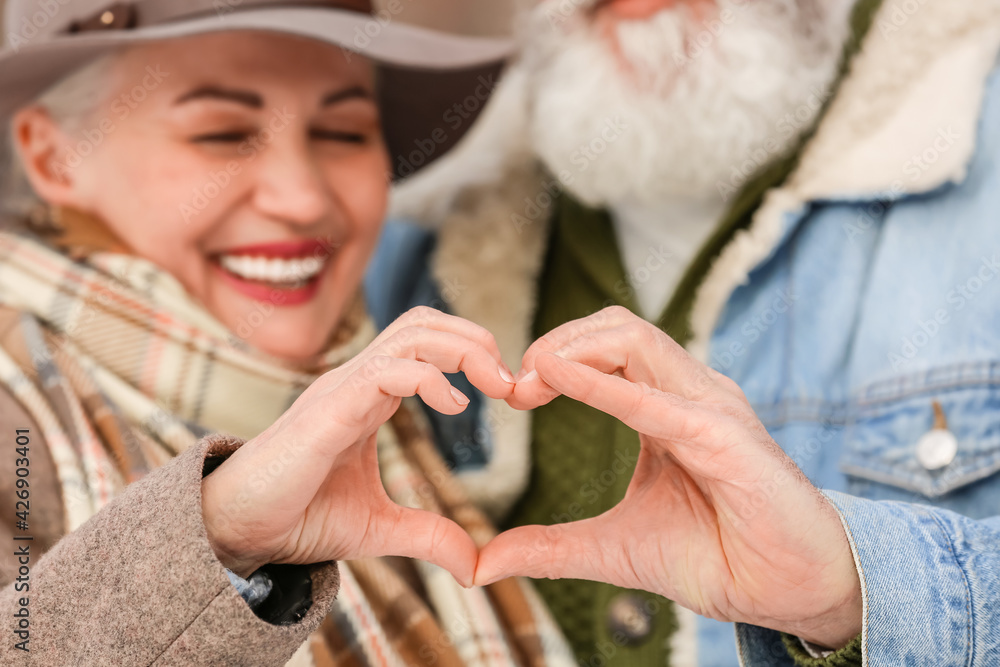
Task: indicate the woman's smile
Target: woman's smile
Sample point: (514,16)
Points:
(282,273)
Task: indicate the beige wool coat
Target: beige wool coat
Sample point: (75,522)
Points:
(139,583)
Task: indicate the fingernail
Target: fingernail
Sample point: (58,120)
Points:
(530,377)
(505,375)
(459,397)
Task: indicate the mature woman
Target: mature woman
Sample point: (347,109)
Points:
(192,394)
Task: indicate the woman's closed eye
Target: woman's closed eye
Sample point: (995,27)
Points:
(221,137)
(339,136)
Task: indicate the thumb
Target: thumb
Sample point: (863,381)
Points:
(429,537)
(563,551)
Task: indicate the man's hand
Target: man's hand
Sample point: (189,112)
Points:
(716,518)
(308,489)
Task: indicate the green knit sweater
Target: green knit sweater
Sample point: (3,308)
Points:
(578,453)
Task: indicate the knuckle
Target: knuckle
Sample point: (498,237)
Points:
(637,331)
(371,369)
(488,338)
(439,537)
(379,362)
(428,371)
(406,334)
(547,546)
(476,332)
(401,341)
(732,386)
(421,315)
(618,312)
(549,339)
(663,342)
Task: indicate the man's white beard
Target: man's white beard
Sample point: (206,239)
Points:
(676,122)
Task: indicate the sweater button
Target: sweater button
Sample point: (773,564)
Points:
(629,621)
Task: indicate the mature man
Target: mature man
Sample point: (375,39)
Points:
(825,236)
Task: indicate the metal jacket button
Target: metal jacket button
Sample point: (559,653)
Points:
(629,620)
(937,449)
(939,446)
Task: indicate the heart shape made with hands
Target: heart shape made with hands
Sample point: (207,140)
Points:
(716,516)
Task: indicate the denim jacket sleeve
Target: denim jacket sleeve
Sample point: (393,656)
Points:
(931,585)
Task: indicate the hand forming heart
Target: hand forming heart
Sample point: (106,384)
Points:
(716,517)
(328,502)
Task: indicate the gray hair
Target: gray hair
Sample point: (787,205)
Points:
(71,102)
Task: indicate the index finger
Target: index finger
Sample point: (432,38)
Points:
(637,405)
(565,334)
(429,318)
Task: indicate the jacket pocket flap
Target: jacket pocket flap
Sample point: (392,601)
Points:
(881,439)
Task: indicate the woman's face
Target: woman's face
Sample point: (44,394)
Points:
(249,165)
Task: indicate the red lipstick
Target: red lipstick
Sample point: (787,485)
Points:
(284,250)
(273,295)
(266,292)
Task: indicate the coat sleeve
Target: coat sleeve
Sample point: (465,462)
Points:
(139,584)
(931,585)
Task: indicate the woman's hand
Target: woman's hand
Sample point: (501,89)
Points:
(716,517)
(308,489)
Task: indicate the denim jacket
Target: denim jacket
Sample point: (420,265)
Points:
(860,314)
(868,312)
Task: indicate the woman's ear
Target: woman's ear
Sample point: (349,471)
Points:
(42,146)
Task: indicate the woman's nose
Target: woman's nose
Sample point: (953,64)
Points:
(290,184)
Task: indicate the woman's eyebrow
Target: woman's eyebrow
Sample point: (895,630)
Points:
(255,101)
(353,92)
(245,97)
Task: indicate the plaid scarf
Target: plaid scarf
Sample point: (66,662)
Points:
(123,370)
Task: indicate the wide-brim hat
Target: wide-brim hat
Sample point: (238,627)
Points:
(431,85)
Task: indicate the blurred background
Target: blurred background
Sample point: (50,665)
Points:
(471,17)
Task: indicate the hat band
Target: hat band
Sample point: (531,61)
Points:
(127,15)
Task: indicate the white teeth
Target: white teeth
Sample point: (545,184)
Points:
(312,265)
(272,270)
